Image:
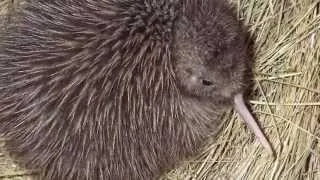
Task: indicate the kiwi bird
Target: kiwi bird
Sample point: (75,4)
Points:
(119,89)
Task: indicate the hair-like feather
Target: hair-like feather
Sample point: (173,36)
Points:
(90,89)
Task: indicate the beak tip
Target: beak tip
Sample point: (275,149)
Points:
(241,108)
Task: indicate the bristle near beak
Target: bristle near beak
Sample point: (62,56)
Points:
(242,109)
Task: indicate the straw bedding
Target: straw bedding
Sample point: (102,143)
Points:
(285,99)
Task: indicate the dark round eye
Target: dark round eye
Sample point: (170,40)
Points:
(206,82)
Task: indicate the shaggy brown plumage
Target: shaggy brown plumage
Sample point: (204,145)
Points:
(117,89)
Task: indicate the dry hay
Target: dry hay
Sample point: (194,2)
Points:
(285,99)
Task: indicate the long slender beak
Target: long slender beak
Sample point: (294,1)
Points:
(242,109)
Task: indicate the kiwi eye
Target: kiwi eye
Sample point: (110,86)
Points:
(206,82)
